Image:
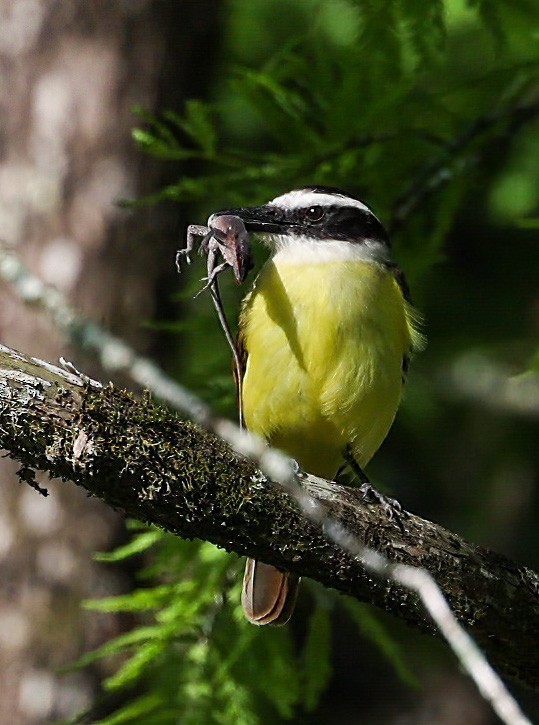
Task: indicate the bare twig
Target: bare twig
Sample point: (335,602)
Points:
(273,464)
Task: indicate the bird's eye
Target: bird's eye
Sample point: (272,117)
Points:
(314,213)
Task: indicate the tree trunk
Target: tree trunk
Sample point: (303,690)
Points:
(71,74)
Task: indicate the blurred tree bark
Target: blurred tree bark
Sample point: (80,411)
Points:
(70,74)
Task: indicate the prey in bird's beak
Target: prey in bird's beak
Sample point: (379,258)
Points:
(225,236)
(228,236)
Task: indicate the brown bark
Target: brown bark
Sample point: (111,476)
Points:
(142,460)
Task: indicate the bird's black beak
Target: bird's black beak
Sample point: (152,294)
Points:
(261,219)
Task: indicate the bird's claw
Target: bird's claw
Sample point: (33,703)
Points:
(392,508)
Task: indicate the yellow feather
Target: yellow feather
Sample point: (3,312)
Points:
(325,346)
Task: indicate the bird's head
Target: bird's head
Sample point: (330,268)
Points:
(315,219)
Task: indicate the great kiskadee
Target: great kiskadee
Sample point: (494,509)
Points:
(326,335)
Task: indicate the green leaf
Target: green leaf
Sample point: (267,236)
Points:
(285,111)
(134,667)
(198,124)
(161,149)
(140,599)
(119,645)
(134,711)
(316,656)
(137,545)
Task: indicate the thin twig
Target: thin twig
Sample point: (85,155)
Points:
(276,466)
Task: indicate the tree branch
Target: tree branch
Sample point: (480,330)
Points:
(143,460)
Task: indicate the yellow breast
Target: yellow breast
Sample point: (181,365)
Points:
(325,345)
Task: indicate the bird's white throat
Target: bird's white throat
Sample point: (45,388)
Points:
(306,250)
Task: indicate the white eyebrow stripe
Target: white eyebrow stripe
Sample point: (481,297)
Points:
(300,199)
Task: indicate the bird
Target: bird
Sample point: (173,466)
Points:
(325,337)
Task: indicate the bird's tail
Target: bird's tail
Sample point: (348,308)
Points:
(269,594)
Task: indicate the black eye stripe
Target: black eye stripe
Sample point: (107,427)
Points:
(350,223)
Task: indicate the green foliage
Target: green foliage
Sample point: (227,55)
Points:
(416,106)
(195,658)
(366,97)
(138,544)
(317,656)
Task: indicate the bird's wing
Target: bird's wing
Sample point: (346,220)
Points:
(414,319)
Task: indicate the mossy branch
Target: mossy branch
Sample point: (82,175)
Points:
(143,460)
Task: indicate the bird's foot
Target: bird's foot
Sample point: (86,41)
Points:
(391,506)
